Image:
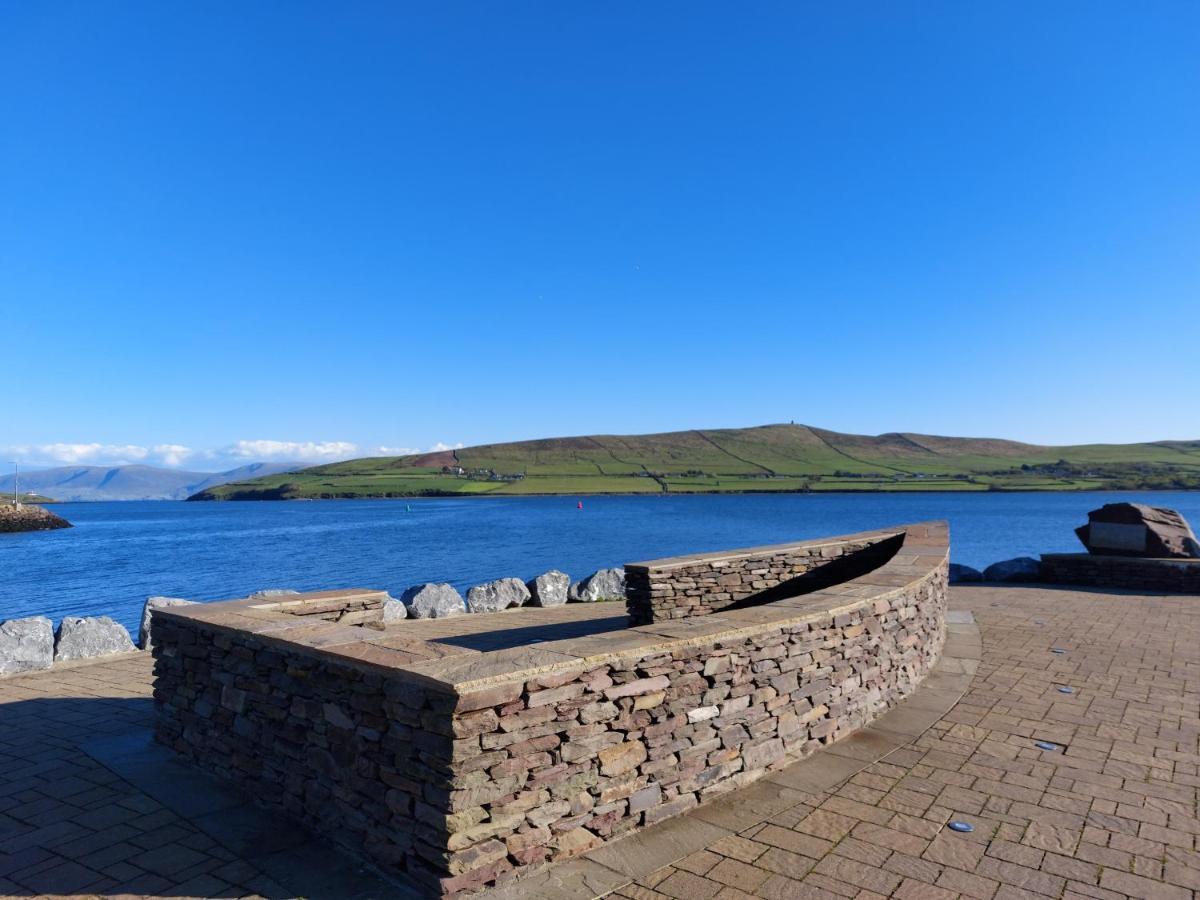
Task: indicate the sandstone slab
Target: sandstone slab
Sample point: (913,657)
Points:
(1135,529)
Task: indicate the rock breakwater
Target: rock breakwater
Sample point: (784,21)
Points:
(23,517)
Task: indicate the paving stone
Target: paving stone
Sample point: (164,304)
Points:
(1094,814)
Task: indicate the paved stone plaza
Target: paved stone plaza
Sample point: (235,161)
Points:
(89,806)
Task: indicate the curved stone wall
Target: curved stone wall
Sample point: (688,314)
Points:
(462,753)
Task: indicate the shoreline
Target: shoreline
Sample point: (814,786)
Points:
(646,493)
(486,495)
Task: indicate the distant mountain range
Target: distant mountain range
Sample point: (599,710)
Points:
(69,483)
(767,458)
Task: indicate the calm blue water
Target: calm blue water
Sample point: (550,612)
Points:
(120,553)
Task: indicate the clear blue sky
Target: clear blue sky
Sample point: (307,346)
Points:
(383,225)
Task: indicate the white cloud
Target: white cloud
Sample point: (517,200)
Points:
(39,456)
(291,451)
(79,454)
(172,454)
(388,451)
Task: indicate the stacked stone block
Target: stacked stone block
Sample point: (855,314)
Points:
(463,785)
(686,586)
(1173,576)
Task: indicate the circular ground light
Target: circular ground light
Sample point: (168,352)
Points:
(1046,745)
(961,826)
(1066,690)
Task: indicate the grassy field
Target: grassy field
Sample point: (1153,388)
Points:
(770,458)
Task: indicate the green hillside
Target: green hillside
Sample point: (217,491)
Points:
(767,458)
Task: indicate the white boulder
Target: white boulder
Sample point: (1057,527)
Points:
(83,638)
(393,611)
(494,596)
(153,603)
(606,584)
(433,601)
(549,588)
(26,645)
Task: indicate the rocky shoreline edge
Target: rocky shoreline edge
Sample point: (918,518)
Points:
(33,643)
(23,517)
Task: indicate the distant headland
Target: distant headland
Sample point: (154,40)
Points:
(767,459)
(23,517)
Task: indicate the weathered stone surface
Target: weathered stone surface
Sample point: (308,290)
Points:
(960,574)
(1023,568)
(473,767)
(145,637)
(606,584)
(83,638)
(494,596)
(549,588)
(29,518)
(393,610)
(683,587)
(433,601)
(267,593)
(1178,576)
(1135,529)
(622,758)
(26,645)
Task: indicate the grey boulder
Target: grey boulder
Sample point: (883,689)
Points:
(1023,568)
(26,645)
(152,603)
(393,610)
(83,638)
(549,588)
(433,601)
(606,584)
(964,574)
(494,596)
(267,593)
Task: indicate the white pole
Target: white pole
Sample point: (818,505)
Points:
(16,483)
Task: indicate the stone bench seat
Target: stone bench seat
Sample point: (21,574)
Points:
(461,751)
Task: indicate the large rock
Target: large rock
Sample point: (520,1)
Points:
(1023,568)
(152,603)
(80,638)
(433,601)
(26,645)
(494,596)
(268,593)
(964,574)
(607,584)
(549,588)
(1134,529)
(393,611)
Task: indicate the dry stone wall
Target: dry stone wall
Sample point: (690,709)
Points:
(464,784)
(686,586)
(1174,576)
